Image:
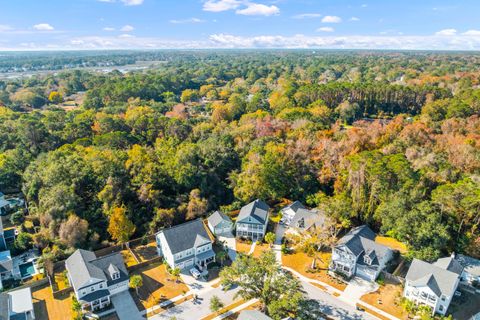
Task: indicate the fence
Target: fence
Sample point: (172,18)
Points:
(143,264)
(391,278)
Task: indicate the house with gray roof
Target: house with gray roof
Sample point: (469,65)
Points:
(6,267)
(252,220)
(252,315)
(433,284)
(186,245)
(305,220)
(289,211)
(95,279)
(219,223)
(471,269)
(357,254)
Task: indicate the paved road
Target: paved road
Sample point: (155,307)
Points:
(333,307)
(125,306)
(189,311)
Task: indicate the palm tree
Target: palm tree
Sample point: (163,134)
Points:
(222,255)
(176,273)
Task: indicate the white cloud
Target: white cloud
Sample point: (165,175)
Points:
(446,32)
(191,20)
(256,9)
(220,5)
(472,33)
(354,19)
(364,5)
(5,28)
(127,28)
(325,29)
(43,27)
(307,16)
(132,2)
(331,19)
(126,35)
(108,29)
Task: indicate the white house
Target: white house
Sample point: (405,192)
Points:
(252,220)
(219,223)
(186,245)
(289,211)
(95,280)
(358,254)
(434,284)
(20,304)
(471,269)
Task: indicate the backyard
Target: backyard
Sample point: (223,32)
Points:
(302,263)
(47,307)
(146,252)
(158,285)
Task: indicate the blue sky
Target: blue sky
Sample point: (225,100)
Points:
(132,24)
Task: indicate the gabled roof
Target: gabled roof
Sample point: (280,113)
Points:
(257,210)
(186,236)
(439,280)
(294,206)
(471,265)
(309,218)
(450,264)
(6,262)
(20,301)
(252,315)
(86,269)
(218,217)
(352,239)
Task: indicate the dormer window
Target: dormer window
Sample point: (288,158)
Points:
(114,272)
(367,260)
(115,275)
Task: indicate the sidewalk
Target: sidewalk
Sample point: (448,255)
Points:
(236,309)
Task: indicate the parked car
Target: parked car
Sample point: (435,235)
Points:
(195,272)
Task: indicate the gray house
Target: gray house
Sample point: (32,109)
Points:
(471,269)
(186,245)
(252,220)
(95,280)
(434,284)
(358,254)
(305,220)
(290,210)
(17,305)
(219,223)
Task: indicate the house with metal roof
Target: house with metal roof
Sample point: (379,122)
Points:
(357,254)
(186,245)
(434,284)
(95,279)
(219,223)
(252,220)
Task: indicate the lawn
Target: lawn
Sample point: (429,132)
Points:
(243,247)
(392,243)
(301,263)
(387,298)
(158,285)
(61,280)
(146,252)
(46,307)
(261,248)
(128,258)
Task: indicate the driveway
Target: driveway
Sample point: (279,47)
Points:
(333,307)
(189,310)
(357,287)
(125,306)
(277,246)
(231,243)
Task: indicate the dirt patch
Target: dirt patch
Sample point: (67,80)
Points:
(146,252)
(47,307)
(387,298)
(392,244)
(158,286)
(302,263)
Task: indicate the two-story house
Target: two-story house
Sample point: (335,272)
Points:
(186,245)
(306,220)
(434,284)
(252,220)
(95,280)
(17,305)
(289,211)
(358,254)
(471,269)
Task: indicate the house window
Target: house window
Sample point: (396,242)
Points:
(92,289)
(441,308)
(443,298)
(115,275)
(101,285)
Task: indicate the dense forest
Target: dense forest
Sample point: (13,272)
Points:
(389,139)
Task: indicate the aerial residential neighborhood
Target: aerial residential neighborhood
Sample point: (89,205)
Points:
(239,160)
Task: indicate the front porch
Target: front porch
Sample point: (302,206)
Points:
(344,269)
(95,301)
